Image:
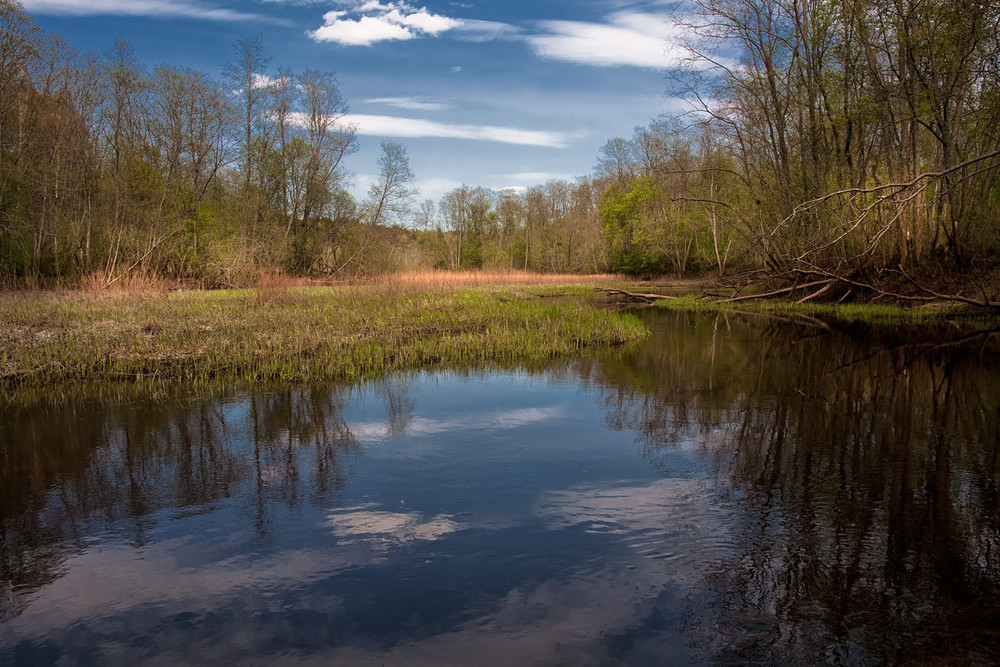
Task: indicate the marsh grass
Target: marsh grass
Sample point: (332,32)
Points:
(290,334)
(848,312)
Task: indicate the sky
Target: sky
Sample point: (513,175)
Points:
(500,94)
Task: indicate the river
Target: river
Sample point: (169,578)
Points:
(737,489)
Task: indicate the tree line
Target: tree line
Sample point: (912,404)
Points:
(837,141)
(108,169)
(833,142)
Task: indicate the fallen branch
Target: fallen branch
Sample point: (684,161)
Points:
(985,303)
(783,290)
(931,295)
(635,296)
(821,291)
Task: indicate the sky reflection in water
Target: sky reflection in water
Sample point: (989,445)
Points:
(732,491)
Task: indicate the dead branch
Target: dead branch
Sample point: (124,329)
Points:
(634,296)
(820,292)
(885,192)
(985,303)
(929,294)
(804,206)
(783,290)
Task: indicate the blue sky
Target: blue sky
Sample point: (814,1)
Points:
(498,94)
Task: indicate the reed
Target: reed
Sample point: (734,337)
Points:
(448,280)
(290,334)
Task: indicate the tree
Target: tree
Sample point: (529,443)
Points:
(390,198)
(247,74)
(860,130)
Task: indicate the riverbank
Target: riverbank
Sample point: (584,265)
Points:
(700,295)
(292,334)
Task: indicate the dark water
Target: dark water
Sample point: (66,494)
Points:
(735,491)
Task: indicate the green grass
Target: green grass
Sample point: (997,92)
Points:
(848,312)
(291,334)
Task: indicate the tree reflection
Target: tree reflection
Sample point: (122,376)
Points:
(863,472)
(85,462)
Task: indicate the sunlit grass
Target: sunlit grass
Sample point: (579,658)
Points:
(291,333)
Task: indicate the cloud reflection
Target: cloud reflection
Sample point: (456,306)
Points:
(365,523)
(498,420)
(665,520)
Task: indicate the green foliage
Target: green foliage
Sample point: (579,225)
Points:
(627,226)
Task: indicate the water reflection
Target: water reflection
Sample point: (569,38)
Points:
(862,466)
(83,465)
(737,490)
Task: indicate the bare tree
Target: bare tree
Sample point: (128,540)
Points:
(390,198)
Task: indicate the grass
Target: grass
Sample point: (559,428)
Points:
(292,334)
(848,312)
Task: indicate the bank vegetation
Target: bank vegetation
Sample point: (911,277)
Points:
(835,150)
(295,334)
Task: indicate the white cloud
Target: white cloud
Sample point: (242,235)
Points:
(628,39)
(261,81)
(371,22)
(159,8)
(394,126)
(423,21)
(414,103)
(366,23)
(364,32)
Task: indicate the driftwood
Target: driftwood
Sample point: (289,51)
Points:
(634,296)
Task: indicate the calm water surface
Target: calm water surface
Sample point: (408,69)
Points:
(735,490)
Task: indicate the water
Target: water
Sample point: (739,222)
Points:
(735,490)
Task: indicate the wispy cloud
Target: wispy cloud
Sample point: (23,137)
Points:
(435,188)
(395,126)
(628,39)
(413,103)
(539,176)
(157,8)
(472,30)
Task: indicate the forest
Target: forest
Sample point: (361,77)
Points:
(833,145)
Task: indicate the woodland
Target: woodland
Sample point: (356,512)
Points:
(833,148)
